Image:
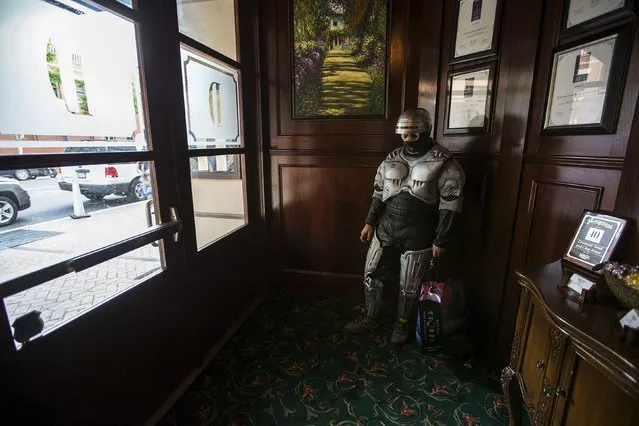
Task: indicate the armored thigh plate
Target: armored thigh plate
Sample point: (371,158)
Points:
(412,269)
(373,287)
(373,255)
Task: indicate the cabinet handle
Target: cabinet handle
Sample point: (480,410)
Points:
(560,392)
(541,364)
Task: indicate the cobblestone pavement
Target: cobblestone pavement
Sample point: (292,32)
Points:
(66,297)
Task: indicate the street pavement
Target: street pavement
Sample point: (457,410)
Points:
(66,297)
(49,202)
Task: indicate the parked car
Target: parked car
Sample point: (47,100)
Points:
(99,180)
(25,174)
(13,198)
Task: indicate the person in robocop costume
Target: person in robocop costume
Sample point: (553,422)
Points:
(417,199)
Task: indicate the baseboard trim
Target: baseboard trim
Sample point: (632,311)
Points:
(175,395)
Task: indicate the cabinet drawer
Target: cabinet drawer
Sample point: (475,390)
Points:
(534,355)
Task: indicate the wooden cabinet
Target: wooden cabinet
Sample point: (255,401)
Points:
(567,366)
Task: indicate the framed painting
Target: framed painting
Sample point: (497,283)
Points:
(340,58)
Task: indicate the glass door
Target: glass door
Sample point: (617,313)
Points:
(87,194)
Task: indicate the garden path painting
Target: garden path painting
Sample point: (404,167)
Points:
(340,57)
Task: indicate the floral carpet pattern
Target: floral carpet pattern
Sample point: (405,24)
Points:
(291,363)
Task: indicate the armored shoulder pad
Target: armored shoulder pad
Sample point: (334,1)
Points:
(394,153)
(438,152)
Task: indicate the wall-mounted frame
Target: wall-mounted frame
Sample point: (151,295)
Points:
(596,238)
(585,86)
(469,100)
(583,15)
(476,29)
(340,54)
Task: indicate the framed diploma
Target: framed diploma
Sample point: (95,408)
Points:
(476,29)
(585,86)
(596,239)
(585,14)
(469,100)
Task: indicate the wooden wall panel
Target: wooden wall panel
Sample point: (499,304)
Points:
(628,199)
(552,199)
(319,205)
(322,210)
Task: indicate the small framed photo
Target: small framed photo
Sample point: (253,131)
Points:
(469,100)
(585,86)
(596,238)
(582,15)
(476,29)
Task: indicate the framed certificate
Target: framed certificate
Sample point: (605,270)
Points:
(476,29)
(584,14)
(469,100)
(596,238)
(585,86)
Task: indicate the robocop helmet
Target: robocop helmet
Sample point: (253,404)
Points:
(414,120)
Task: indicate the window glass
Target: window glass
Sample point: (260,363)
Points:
(50,214)
(127,2)
(211,98)
(70,78)
(62,299)
(211,22)
(218,196)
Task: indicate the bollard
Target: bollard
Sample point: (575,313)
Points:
(78,204)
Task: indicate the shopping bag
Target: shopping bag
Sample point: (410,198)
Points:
(429,313)
(453,301)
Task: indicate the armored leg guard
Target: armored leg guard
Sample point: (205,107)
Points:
(412,269)
(373,287)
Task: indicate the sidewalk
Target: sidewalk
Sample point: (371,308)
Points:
(66,297)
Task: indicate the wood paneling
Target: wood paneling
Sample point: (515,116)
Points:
(552,200)
(320,203)
(504,144)
(628,200)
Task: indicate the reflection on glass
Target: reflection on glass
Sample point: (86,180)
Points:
(211,22)
(64,298)
(37,225)
(127,2)
(70,78)
(218,196)
(211,98)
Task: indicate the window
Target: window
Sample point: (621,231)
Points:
(212,91)
(210,22)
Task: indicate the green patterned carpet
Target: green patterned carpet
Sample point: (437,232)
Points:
(291,364)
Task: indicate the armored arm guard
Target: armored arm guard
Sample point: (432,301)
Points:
(450,186)
(377,205)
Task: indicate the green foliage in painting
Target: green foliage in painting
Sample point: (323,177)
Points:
(339,57)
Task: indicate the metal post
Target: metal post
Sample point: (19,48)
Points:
(78,204)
